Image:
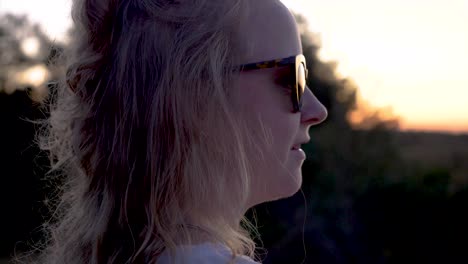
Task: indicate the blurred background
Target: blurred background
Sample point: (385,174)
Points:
(386,176)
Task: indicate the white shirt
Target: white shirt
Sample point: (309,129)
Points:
(206,253)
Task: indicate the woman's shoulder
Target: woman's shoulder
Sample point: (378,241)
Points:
(204,253)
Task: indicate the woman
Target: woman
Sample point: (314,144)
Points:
(174,118)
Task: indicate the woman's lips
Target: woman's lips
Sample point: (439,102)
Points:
(299,153)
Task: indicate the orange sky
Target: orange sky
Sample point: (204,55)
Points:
(410,56)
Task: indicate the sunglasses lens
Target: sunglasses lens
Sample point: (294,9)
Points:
(301,81)
(301,78)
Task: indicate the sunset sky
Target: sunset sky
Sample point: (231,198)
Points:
(411,56)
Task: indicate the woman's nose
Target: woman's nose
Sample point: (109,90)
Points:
(313,112)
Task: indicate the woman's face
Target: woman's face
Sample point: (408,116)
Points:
(272,32)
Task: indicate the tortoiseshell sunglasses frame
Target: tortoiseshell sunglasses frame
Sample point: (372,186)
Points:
(293,62)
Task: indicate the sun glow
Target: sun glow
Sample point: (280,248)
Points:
(30,47)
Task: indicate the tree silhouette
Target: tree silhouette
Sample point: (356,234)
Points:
(22,166)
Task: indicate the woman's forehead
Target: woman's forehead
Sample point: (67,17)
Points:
(270,31)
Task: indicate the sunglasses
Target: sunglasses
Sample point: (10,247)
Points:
(297,65)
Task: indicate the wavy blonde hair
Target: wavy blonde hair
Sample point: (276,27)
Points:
(144,135)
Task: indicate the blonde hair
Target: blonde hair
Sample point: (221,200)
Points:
(143,132)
